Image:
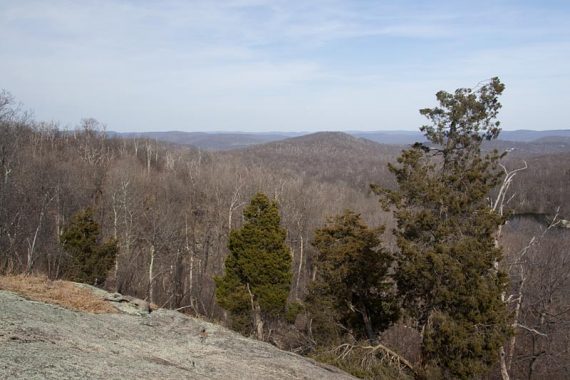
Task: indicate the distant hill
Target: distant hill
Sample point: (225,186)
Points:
(391,137)
(410,137)
(541,146)
(524,135)
(214,140)
(327,156)
(346,160)
(227,141)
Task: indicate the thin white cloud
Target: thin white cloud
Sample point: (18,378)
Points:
(245,64)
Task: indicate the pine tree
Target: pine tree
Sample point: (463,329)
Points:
(89,260)
(447,263)
(353,284)
(257,277)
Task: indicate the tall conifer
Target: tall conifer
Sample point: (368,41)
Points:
(352,288)
(447,268)
(89,260)
(257,277)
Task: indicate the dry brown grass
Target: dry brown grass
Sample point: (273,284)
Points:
(62,293)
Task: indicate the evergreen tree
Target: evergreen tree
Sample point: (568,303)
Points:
(448,260)
(88,259)
(257,277)
(352,285)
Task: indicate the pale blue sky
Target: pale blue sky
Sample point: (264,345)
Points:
(260,65)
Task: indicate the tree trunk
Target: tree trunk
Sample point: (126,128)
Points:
(498,207)
(258,321)
(150,275)
(300,268)
(191,279)
(148,157)
(368,324)
(256,313)
(115,235)
(513,340)
(504,370)
(32,245)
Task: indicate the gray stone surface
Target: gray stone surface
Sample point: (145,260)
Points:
(42,341)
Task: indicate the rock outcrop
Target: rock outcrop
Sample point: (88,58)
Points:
(44,341)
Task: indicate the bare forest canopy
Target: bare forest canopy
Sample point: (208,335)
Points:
(357,159)
(171,208)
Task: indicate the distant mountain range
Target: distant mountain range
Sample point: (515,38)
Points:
(213,140)
(229,140)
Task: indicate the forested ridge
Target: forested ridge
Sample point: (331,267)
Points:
(171,209)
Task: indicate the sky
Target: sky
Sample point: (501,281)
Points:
(261,65)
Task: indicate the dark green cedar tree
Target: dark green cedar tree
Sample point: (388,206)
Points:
(257,277)
(352,288)
(447,265)
(89,260)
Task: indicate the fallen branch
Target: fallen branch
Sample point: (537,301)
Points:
(379,352)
